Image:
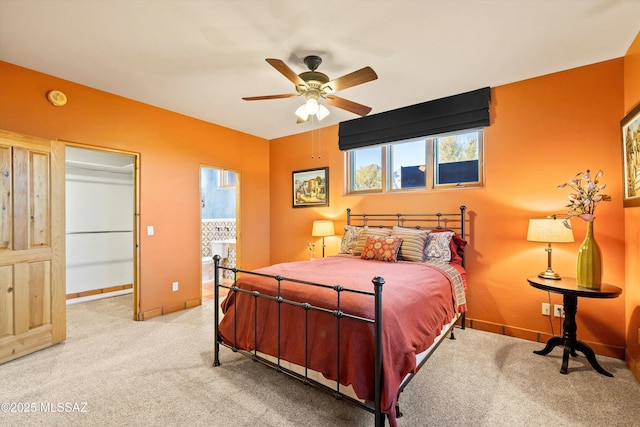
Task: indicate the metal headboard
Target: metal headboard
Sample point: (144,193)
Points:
(450,221)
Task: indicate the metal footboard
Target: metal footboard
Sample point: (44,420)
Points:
(374,407)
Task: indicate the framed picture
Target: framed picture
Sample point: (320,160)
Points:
(630,130)
(310,187)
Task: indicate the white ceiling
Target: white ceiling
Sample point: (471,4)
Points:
(200,57)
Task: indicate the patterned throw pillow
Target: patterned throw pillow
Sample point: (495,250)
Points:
(362,239)
(413,243)
(349,239)
(382,248)
(438,246)
(456,244)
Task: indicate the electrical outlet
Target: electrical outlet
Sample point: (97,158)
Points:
(175,286)
(546,309)
(558,310)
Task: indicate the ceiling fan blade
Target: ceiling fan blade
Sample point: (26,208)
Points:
(286,71)
(345,104)
(260,98)
(358,77)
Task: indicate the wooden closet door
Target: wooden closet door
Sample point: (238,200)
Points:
(32,280)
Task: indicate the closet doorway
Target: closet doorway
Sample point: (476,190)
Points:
(101,224)
(220,225)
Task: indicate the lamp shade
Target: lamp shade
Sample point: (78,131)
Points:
(322,112)
(549,230)
(301,112)
(311,106)
(322,228)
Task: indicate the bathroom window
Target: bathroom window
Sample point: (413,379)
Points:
(227,179)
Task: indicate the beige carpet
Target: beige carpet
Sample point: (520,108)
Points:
(158,373)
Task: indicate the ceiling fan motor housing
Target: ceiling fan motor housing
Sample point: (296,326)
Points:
(313,79)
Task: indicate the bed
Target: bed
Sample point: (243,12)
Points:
(326,322)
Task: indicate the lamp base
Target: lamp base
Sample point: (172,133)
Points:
(550,274)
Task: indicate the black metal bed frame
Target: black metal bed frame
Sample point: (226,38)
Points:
(455,221)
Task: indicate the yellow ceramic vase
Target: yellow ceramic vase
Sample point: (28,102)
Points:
(589,265)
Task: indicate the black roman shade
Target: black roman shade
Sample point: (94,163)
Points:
(457,112)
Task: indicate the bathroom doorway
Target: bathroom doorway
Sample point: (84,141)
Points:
(220,228)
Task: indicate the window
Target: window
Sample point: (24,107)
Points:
(408,165)
(228,179)
(365,170)
(434,162)
(457,159)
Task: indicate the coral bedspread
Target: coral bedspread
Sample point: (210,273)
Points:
(418,299)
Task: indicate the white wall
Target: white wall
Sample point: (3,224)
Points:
(99,220)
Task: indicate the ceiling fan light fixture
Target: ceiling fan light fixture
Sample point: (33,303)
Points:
(301,112)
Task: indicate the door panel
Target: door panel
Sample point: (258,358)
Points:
(32,288)
(39,294)
(20,198)
(5,197)
(6,301)
(39,199)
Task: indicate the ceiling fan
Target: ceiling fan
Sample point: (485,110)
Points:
(314,86)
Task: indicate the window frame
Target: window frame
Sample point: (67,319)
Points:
(476,184)
(350,163)
(430,164)
(228,179)
(389,149)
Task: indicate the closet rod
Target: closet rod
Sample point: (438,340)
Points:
(100,232)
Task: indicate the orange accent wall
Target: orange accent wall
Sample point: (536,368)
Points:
(172,149)
(632,221)
(544,130)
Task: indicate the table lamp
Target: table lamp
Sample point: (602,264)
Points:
(549,230)
(322,228)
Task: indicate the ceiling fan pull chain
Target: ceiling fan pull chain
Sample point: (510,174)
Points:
(312,138)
